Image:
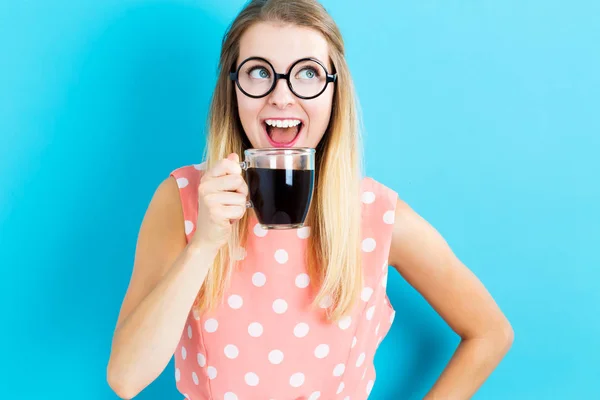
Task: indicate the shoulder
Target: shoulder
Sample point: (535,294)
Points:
(185,181)
(163,219)
(378,194)
(397,211)
(188,178)
(190,173)
(166,200)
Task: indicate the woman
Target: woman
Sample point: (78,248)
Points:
(287,314)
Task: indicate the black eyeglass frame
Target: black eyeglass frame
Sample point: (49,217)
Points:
(234,76)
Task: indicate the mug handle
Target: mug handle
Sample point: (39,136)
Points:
(244,167)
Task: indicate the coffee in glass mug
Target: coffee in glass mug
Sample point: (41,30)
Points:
(281,184)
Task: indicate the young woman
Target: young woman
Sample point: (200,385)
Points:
(250,313)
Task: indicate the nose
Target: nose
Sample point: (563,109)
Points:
(281,96)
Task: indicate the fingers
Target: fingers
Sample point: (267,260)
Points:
(230,212)
(229,165)
(226,199)
(229,183)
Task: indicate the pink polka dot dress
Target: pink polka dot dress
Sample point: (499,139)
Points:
(263,341)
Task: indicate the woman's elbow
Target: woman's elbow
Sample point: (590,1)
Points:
(119,384)
(504,336)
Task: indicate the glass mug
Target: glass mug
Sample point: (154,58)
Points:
(280,185)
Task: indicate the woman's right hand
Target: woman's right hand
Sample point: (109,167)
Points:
(222,196)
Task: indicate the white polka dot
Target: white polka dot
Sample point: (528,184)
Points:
(304,232)
(322,351)
(340,388)
(230,396)
(251,379)
(231,351)
(260,231)
(370,312)
(366,293)
(377,328)
(384,280)
(186,396)
(353,341)
(368,197)
(211,325)
(339,370)
(212,372)
(347,398)
(182,182)
(364,373)
(189,331)
(177,374)
(392,317)
(200,167)
(255,329)
(259,279)
(369,386)
(297,380)
(239,254)
(385,264)
(201,360)
(275,357)
(314,396)
(235,301)
(196,314)
(360,360)
(279,306)
(281,256)
(345,322)
(183,352)
(326,302)
(389,217)
(189,227)
(379,341)
(302,281)
(195,378)
(368,245)
(301,330)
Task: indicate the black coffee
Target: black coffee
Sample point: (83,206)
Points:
(280,196)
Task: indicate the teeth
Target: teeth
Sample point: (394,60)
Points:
(283,123)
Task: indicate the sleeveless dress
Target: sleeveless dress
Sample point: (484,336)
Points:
(263,342)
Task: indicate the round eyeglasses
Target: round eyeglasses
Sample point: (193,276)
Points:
(307,78)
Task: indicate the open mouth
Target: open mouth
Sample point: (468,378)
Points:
(283,132)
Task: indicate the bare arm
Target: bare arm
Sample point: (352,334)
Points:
(167,275)
(425,260)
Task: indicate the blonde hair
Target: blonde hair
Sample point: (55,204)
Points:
(334,256)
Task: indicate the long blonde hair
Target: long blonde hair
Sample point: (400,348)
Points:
(334,256)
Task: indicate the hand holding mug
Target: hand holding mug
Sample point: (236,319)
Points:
(221,201)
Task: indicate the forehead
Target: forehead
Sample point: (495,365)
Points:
(283,44)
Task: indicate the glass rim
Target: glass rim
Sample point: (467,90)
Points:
(279,151)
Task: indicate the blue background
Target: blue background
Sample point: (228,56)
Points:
(482,115)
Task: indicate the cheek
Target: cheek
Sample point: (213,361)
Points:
(244,108)
(319,112)
(248,110)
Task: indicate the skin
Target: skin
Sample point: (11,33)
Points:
(282,45)
(424,259)
(168,271)
(418,252)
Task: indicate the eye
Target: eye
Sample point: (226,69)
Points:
(307,73)
(259,73)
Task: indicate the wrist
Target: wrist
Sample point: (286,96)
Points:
(207,250)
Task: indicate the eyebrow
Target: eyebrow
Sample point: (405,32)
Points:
(325,63)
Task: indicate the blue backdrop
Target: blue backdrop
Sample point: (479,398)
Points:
(481,115)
